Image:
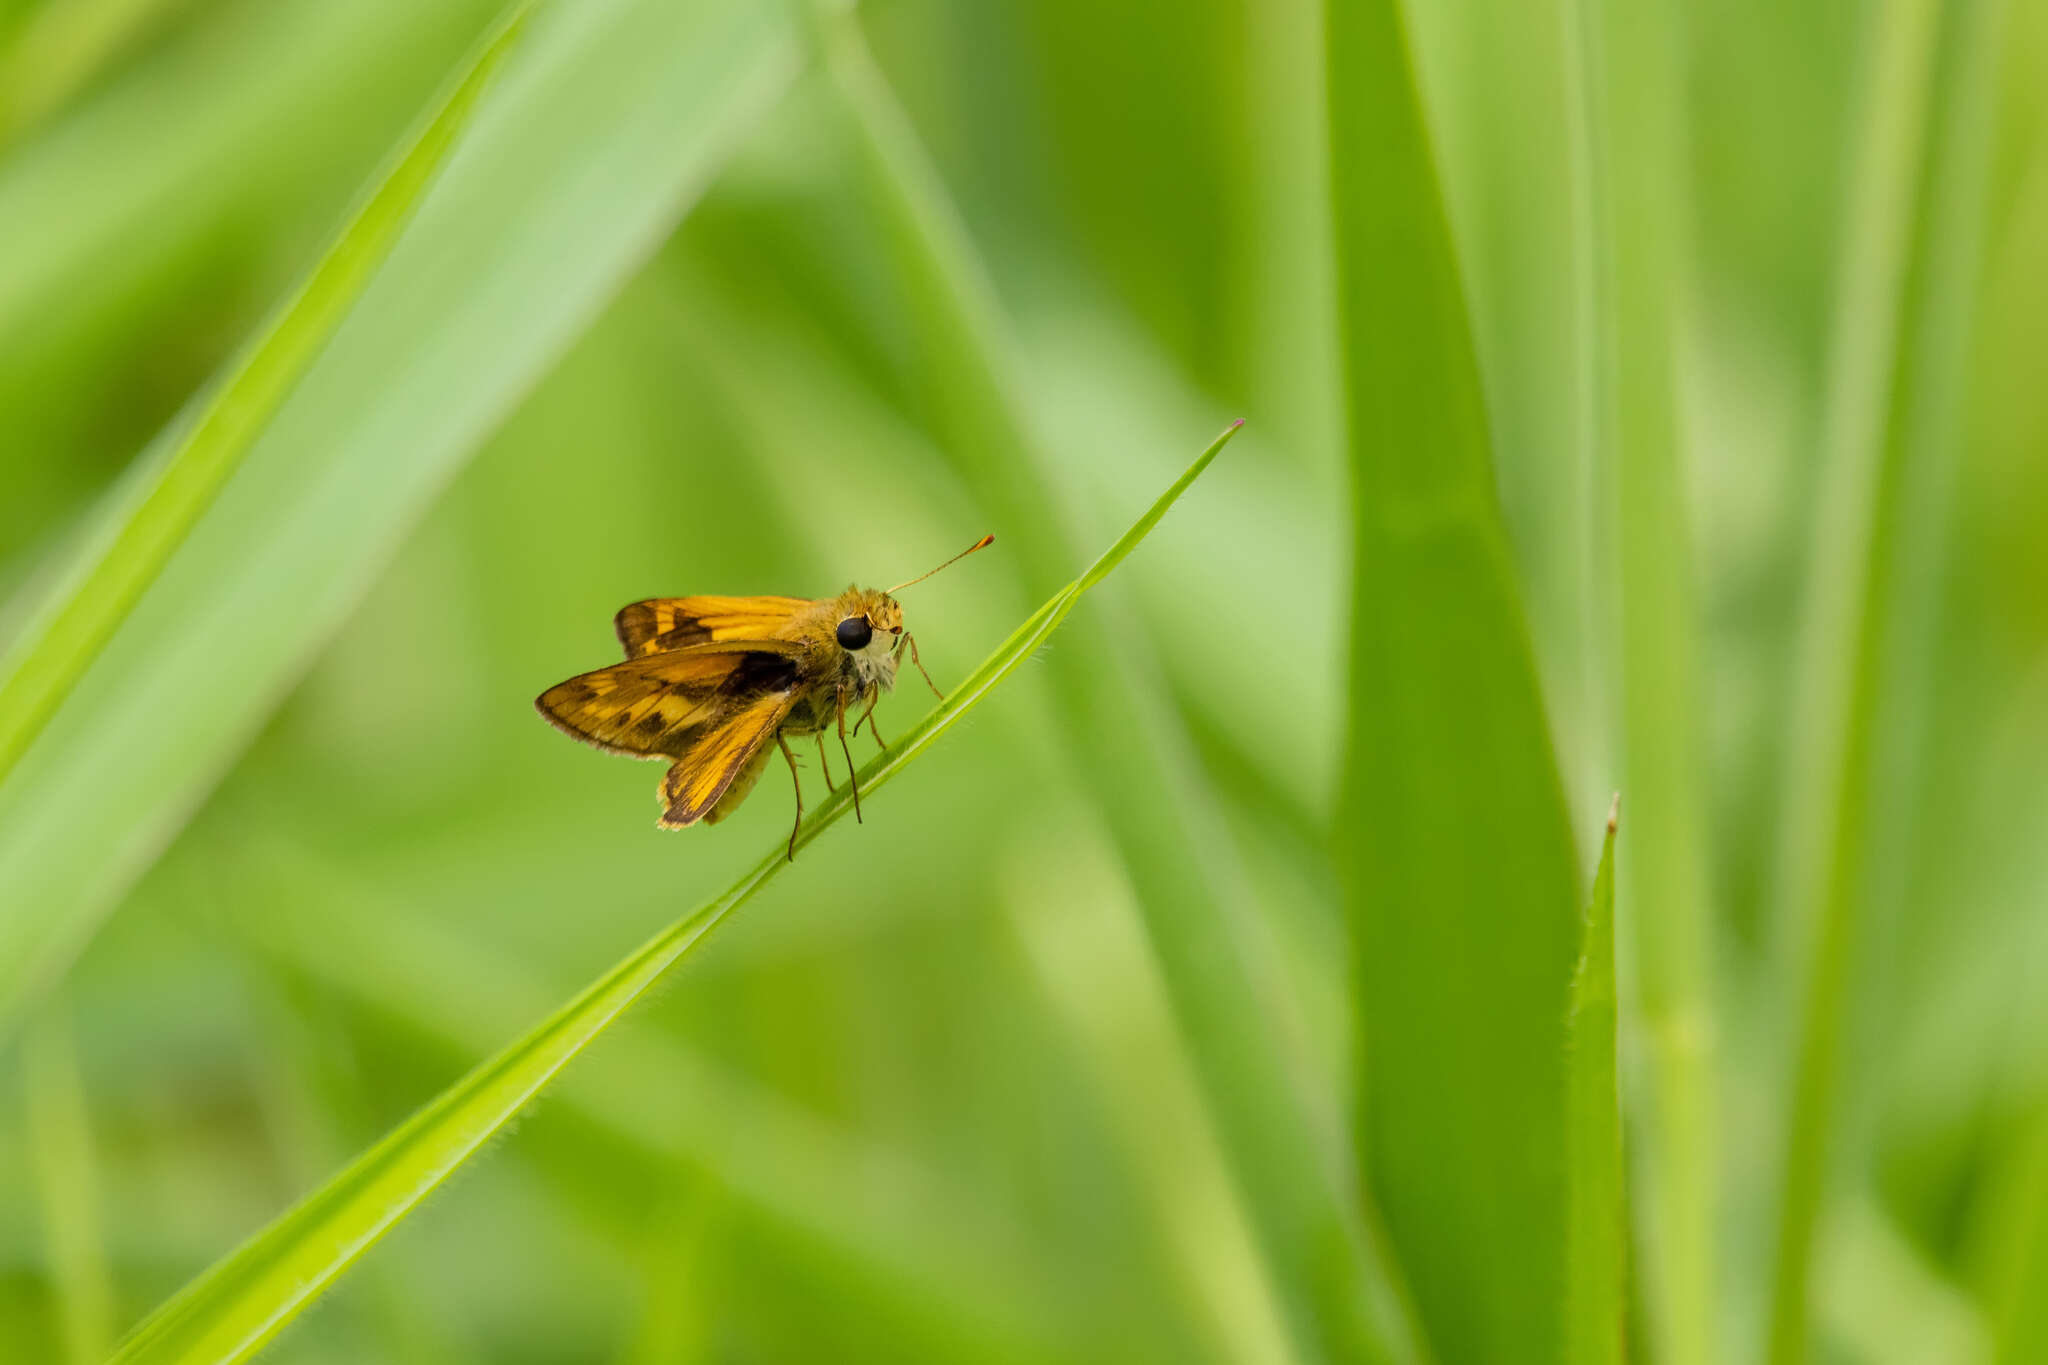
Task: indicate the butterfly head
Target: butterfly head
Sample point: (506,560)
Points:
(870,622)
(869,632)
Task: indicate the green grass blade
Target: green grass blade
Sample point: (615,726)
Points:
(2021,1306)
(1834,707)
(242,1302)
(61,48)
(60,1133)
(605,128)
(918,1235)
(1215,951)
(119,219)
(57,649)
(1630,94)
(315,1101)
(1085,943)
(684,1276)
(1880,1299)
(1462,889)
(1875,638)
(1595,1293)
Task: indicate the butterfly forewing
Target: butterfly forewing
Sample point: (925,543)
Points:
(659,703)
(666,623)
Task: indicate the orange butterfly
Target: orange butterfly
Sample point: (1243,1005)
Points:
(709,681)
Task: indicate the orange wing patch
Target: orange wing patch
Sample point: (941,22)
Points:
(729,756)
(666,623)
(654,706)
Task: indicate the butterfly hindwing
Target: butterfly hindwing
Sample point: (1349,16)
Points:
(725,761)
(741,785)
(662,704)
(668,623)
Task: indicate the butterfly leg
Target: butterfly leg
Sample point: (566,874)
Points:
(912,642)
(799,786)
(830,785)
(874,726)
(851,775)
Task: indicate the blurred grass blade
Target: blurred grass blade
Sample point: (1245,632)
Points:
(2021,1307)
(242,1302)
(1217,954)
(1630,91)
(1881,1299)
(683,1274)
(316,1106)
(60,1134)
(59,646)
(1463,894)
(1831,712)
(608,123)
(128,226)
(60,49)
(921,1238)
(1084,941)
(1874,638)
(1595,1294)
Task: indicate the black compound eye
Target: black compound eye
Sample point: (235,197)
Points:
(855,632)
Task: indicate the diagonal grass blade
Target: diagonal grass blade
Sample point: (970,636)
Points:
(605,129)
(233,1309)
(59,647)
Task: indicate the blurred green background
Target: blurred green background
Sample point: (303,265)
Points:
(663,330)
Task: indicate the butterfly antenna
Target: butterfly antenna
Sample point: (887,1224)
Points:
(981,544)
